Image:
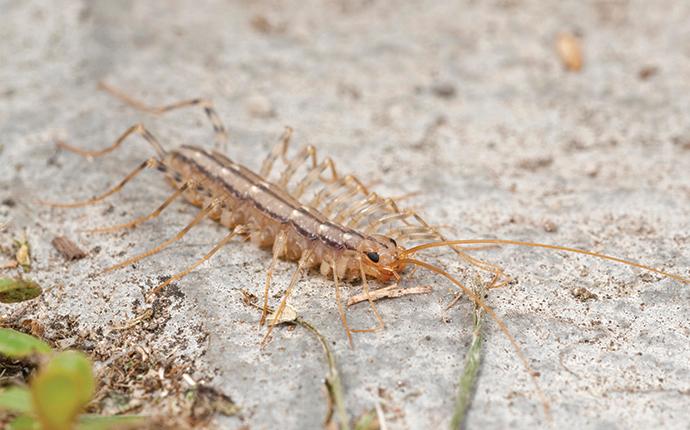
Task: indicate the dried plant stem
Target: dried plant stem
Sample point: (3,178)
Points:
(468,379)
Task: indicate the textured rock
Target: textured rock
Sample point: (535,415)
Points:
(518,144)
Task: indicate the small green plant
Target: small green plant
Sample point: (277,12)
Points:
(57,393)
(18,290)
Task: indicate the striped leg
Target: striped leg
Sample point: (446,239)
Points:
(135,129)
(221,135)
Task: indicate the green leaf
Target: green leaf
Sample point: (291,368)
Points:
(61,389)
(15,399)
(24,422)
(18,290)
(98,422)
(19,345)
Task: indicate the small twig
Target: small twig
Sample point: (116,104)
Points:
(67,248)
(147,314)
(334,385)
(468,379)
(389,292)
(9,265)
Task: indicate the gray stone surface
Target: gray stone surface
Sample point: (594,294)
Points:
(603,155)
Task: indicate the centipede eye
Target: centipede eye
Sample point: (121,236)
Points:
(373,256)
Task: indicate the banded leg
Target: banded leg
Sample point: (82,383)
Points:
(365,287)
(151,163)
(339,303)
(220,133)
(304,262)
(235,232)
(279,150)
(135,129)
(200,216)
(279,249)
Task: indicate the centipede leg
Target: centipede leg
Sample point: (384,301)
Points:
(315,174)
(279,248)
(279,150)
(132,224)
(221,135)
(236,231)
(135,129)
(148,164)
(365,287)
(200,216)
(339,303)
(304,262)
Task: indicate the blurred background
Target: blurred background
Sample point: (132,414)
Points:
(551,121)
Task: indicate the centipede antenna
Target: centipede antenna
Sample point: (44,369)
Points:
(418,248)
(501,324)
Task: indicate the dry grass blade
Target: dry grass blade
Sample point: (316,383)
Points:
(470,373)
(334,385)
(390,292)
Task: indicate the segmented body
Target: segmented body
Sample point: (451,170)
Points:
(266,209)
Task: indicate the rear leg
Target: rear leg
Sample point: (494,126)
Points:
(135,129)
(235,232)
(148,164)
(220,133)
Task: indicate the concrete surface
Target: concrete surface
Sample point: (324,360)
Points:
(597,159)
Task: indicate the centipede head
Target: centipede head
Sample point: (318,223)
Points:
(381,258)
